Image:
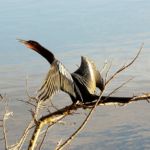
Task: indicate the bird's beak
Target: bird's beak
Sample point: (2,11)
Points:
(22,41)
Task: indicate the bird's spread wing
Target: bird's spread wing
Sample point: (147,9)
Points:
(86,72)
(58,78)
(98,77)
(87,83)
(91,74)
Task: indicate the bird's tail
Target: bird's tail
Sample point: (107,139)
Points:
(116,99)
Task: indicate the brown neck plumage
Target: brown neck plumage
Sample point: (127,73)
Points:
(45,53)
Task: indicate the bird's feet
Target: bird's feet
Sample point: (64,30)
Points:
(71,107)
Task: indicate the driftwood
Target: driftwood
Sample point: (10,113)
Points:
(55,117)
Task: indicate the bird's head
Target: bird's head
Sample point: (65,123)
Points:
(39,49)
(30,44)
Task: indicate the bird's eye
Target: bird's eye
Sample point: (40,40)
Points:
(31,42)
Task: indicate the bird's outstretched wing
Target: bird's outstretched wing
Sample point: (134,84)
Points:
(90,73)
(98,77)
(58,78)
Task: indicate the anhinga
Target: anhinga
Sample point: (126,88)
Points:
(80,85)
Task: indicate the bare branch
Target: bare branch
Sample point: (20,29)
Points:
(53,105)
(27,130)
(44,120)
(108,71)
(58,144)
(124,67)
(38,144)
(5,132)
(27,87)
(45,135)
(104,66)
(68,147)
(2,98)
(27,102)
(117,89)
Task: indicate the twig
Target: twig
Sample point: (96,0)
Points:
(38,144)
(58,143)
(27,87)
(5,132)
(27,130)
(13,145)
(48,110)
(81,113)
(117,89)
(2,98)
(53,105)
(63,123)
(124,67)
(45,136)
(108,71)
(29,126)
(104,66)
(68,147)
(27,102)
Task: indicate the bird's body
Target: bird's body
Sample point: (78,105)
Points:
(87,78)
(80,85)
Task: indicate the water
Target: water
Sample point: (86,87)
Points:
(99,30)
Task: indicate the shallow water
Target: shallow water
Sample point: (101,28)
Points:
(99,30)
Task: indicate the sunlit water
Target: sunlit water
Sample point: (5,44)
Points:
(99,30)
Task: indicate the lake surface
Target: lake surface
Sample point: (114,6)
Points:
(99,30)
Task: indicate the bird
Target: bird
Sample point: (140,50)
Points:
(80,85)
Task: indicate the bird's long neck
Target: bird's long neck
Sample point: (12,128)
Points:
(45,53)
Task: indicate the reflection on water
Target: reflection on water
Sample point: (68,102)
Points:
(99,30)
